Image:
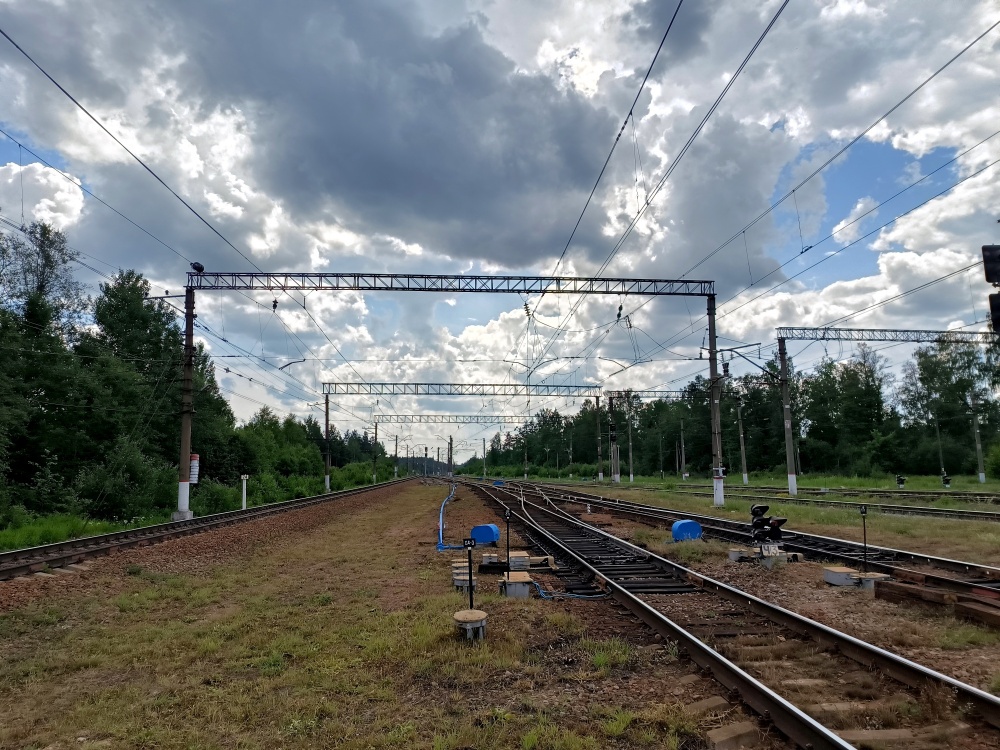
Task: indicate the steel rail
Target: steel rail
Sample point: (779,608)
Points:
(796,540)
(19,562)
(963,495)
(897,510)
(904,670)
(790,720)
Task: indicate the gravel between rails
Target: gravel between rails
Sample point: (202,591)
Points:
(194,554)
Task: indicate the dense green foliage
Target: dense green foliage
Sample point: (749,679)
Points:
(850,418)
(90,396)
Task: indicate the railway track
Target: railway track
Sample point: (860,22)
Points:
(819,687)
(21,562)
(902,510)
(970,496)
(972,579)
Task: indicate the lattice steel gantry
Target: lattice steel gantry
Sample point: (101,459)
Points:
(458,389)
(865,334)
(286,282)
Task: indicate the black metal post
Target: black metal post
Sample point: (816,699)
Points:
(471,601)
(507,518)
(864,528)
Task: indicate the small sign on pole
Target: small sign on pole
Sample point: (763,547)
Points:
(195,466)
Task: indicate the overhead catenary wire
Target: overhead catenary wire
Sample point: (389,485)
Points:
(673,164)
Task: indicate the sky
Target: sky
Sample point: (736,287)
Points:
(465,136)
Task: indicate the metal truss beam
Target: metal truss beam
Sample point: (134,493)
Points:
(886,334)
(449,419)
(654,394)
(403,282)
(458,389)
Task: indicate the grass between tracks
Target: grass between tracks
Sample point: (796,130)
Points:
(975,541)
(342,637)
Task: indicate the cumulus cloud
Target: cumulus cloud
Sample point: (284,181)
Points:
(433,137)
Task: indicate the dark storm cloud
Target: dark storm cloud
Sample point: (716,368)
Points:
(434,138)
(648,20)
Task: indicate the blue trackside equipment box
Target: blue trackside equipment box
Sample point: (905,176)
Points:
(487,533)
(498,483)
(686,529)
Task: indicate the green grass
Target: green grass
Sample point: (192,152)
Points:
(963,635)
(994,686)
(59,528)
(605,655)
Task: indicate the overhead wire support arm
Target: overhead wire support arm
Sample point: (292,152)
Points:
(886,334)
(487,419)
(399,282)
(458,389)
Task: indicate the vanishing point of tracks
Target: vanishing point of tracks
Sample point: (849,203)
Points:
(820,687)
(36,559)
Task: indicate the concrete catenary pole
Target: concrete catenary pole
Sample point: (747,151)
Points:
(979,445)
(628,416)
(183,511)
(326,438)
(375,456)
(600,465)
(786,408)
(484,459)
(395,462)
(743,450)
(718,473)
(451,463)
(684,463)
(425,462)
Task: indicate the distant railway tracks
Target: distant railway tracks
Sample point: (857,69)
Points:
(22,562)
(818,686)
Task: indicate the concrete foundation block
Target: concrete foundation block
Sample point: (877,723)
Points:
(734,736)
(713,705)
(837,575)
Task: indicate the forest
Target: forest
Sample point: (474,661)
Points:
(90,395)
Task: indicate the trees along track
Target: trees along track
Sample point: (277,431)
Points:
(733,634)
(977,580)
(21,562)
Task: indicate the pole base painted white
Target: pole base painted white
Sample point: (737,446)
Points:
(183,512)
(746,479)
(631,478)
(326,482)
(718,491)
(600,476)
(244,494)
(793,485)
(982,478)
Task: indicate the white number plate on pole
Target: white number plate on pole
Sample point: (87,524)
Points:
(770,550)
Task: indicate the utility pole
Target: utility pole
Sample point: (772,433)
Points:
(571,455)
(395,467)
(937,430)
(600,466)
(786,406)
(979,445)
(425,462)
(677,458)
(326,437)
(661,454)
(684,463)
(628,416)
(437,464)
(451,461)
(616,476)
(526,454)
(484,459)
(743,450)
(375,456)
(718,473)
(183,511)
